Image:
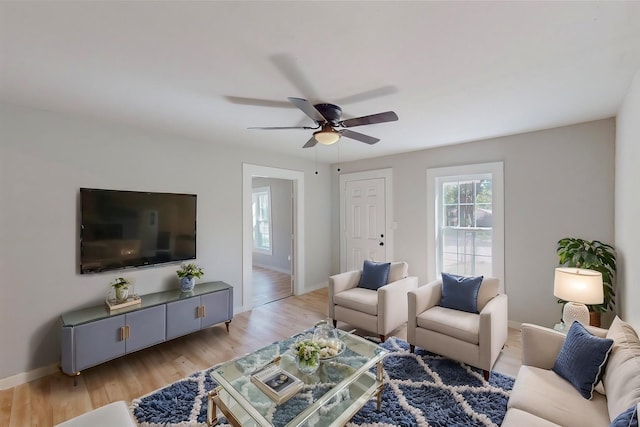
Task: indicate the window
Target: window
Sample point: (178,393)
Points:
(261,208)
(466,220)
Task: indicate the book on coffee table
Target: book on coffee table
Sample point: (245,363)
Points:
(277,383)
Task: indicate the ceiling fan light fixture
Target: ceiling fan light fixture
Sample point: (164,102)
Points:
(327,136)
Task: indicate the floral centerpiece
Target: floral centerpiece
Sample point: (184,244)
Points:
(121,287)
(187,274)
(307,354)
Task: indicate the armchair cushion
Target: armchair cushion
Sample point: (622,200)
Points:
(358,299)
(582,358)
(452,323)
(460,293)
(374,275)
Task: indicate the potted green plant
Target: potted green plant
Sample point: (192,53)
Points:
(592,255)
(187,274)
(121,287)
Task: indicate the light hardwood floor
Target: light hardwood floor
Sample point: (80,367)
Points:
(53,399)
(269,285)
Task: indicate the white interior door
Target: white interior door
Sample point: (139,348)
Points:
(365,222)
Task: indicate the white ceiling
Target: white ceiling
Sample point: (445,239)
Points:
(452,71)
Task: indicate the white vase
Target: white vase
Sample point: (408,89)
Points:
(122,293)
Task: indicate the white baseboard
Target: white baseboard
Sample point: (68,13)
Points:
(25,377)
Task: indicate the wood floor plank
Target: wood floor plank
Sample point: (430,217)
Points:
(53,399)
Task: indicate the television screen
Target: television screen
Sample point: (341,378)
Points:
(121,229)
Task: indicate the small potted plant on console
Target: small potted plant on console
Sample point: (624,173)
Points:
(121,288)
(187,274)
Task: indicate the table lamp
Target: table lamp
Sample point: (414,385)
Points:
(577,286)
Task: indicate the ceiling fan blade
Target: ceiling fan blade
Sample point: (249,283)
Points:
(290,69)
(282,127)
(388,116)
(359,136)
(363,96)
(310,143)
(308,108)
(258,102)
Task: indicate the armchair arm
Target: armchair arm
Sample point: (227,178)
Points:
(493,329)
(419,300)
(392,303)
(339,283)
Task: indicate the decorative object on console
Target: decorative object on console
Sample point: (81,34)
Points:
(578,286)
(120,287)
(592,255)
(187,274)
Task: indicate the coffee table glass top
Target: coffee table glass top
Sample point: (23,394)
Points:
(340,385)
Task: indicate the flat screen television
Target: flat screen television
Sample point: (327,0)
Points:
(122,229)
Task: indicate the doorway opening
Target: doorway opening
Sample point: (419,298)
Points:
(273,239)
(297,261)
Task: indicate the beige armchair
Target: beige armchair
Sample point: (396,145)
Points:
(474,339)
(380,311)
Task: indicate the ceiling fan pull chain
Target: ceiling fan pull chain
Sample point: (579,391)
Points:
(316,160)
(338,158)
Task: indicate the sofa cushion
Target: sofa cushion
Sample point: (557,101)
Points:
(582,359)
(517,418)
(359,299)
(453,323)
(622,375)
(374,274)
(543,393)
(628,418)
(460,293)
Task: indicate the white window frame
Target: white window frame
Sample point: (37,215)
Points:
(261,250)
(434,175)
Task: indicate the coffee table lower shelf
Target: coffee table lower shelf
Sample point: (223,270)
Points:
(359,391)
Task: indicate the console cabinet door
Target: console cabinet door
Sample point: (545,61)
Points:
(98,341)
(216,308)
(182,317)
(146,327)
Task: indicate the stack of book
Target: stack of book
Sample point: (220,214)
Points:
(277,383)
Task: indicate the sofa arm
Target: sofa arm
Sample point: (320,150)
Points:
(540,346)
(392,303)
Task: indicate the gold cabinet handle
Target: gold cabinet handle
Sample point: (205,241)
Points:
(122,333)
(204,310)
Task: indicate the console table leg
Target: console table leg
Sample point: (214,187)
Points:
(227,325)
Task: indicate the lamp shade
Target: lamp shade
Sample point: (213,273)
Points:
(578,285)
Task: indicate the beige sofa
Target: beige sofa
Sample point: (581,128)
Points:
(542,398)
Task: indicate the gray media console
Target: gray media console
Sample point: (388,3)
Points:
(94,335)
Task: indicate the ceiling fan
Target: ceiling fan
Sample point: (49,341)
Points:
(328,120)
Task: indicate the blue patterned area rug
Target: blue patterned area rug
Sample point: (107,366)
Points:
(421,389)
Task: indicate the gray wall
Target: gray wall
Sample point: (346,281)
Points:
(45,158)
(628,205)
(558,183)
(281,223)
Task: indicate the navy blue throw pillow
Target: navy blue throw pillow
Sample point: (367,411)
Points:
(582,359)
(460,292)
(374,275)
(628,418)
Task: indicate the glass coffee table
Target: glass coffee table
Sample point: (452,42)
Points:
(330,396)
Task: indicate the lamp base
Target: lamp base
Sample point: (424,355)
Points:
(575,311)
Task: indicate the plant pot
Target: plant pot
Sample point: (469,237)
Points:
(187,283)
(307,366)
(594,318)
(122,293)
